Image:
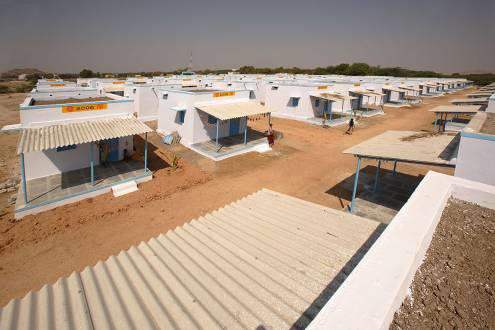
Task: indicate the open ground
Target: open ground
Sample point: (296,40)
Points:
(307,162)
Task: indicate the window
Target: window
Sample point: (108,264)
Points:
(182,115)
(317,102)
(274,88)
(294,101)
(211,119)
(165,96)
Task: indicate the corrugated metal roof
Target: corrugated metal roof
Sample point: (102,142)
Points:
(54,136)
(225,111)
(266,261)
(456,109)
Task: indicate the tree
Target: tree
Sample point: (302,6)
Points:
(86,73)
(358,69)
(341,68)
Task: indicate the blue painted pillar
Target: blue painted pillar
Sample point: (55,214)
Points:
(91,163)
(216,139)
(245,132)
(356,178)
(145,152)
(377,175)
(23,179)
(330,104)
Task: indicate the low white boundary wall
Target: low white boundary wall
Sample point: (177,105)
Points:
(376,288)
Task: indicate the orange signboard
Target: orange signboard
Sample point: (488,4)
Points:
(57,85)
(118,82)
(220,94)
(84,107)
(322,87)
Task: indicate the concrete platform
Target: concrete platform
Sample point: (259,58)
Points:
(56,190)
(232,146)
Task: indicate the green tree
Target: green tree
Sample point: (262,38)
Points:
(86,73)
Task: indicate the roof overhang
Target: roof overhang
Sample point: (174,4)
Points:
(410,147)
(231,110)
(456,109)
(61,135)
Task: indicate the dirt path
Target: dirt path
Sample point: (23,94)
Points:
(306,163)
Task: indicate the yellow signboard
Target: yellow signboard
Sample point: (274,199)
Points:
(220,94)
(57,85)
(118,82)
(357,84)
(84,107)
(322,87)
(51,80)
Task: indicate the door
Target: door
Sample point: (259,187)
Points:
(234,126)
(113,153)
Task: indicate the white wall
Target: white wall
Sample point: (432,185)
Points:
(50,162)
(195,128)
(476,158)
(45,115)
(44,163)
(491,104)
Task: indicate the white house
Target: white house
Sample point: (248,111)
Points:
(211,122)
(74,147)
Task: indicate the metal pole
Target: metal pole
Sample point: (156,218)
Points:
(269,118)
(91,163)
(330,104)
(245,132)
(436,119)
(395,167)
(146,152)
(216,139)
(23,179)
(377,175)
(354,190)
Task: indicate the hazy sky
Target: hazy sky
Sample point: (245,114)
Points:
(122,35)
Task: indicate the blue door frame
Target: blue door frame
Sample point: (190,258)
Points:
(234,126)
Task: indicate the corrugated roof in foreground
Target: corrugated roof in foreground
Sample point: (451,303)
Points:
(267,261)
(230,110)
(54,136)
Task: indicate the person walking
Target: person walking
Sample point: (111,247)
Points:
(350,129)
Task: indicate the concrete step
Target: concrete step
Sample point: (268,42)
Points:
(124,188)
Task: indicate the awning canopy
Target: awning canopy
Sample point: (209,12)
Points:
(54,136)
(410,88)
(367,93)
(231,110)
(410,147)
(334,97)
(480,100)
(393,89)
(456,109)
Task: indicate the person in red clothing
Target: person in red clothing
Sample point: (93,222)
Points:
(271,138)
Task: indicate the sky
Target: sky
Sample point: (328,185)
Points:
(121,35)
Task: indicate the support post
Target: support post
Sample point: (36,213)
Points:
(354,190)
(23,179)
(216,139)
(91,163)
(145,152)
(330,104)
(269,118)
(395,167)
(245,132)
(436,119)
(377,175)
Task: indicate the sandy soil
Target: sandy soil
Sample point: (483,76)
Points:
(455,285)
(307,163)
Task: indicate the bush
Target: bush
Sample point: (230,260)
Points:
(4,89)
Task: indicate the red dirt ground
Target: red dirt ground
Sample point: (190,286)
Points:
(306,163)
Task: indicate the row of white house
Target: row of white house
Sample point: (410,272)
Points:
(81,139)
